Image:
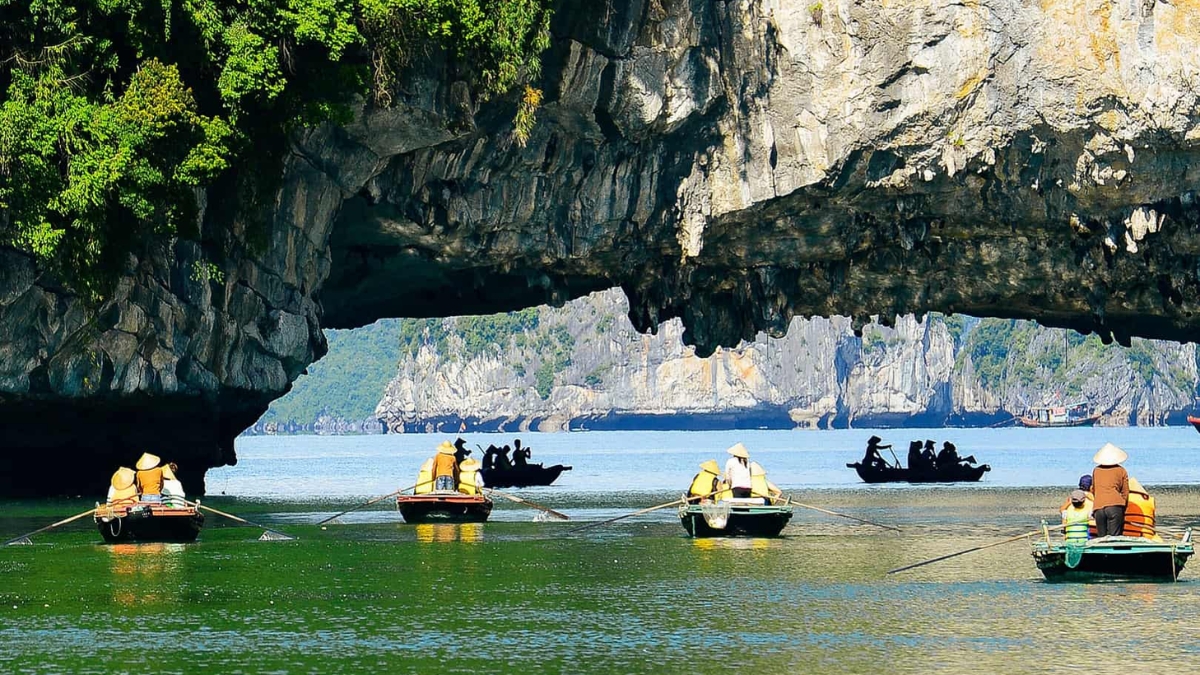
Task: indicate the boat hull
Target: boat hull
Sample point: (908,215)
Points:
(149,523)
(1113,558)
(891,474)
(1194,421)
(1032,423)
(444,508)
(743,521)
(530,475)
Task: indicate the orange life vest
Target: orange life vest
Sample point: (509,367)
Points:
(150,481)
(1139,516)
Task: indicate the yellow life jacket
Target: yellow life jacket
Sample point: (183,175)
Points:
(425,478)
(723,492)
(1075,520)
(758,482)
(466,477)
(703,485)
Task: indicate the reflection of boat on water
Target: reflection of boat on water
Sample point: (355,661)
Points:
(942,474)
(1074,415)
(149,522)
(1113,558)
(450,507)
(522,475)
(749,517)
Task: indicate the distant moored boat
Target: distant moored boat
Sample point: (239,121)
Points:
(1194,421)
(1075,415)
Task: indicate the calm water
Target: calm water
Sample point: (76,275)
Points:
(512,595)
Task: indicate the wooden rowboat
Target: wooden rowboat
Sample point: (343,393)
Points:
(735,518)
(528,475)
(446,507)
(1113,558)
(944,474)
(148,522)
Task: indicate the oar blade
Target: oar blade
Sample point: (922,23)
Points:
(20,541)
(272,535)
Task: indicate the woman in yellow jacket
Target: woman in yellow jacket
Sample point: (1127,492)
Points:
(1139,512)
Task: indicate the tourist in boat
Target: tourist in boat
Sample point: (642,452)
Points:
(1075,518)
(460,450)
(172,490)
(470,481)
(1110,487)
(1139,512)
(150,477)
(916,460)
(928,456)
(873,458)
(520,455)
(948,456)
(737,471)
(121,490)
(502,461)
(424,478)
(707,483)
(445,468)
(760,486)
(1085,486)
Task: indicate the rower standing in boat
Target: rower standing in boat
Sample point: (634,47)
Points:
(1110,485)
(445,468)
(737,471)
(520,455)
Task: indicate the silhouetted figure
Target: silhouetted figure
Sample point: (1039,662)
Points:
(916,460)
(489,457)
(460,450)
(502,461)
(520,455)
(949,456)
(929,455)
(873,457)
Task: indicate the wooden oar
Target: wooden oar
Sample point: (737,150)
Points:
(519,500)
(268,534)
(840,515)
(681,500)
(975,548)
(73,518)
(376,500)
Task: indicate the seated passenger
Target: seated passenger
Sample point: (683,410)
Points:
(444,469)
(1139,512)
(424,478)
(737,471)
(706,484)
(172,489)
(1075,518)
(150,478)
(759,486)
(916,461)
(470,481)
(122,491)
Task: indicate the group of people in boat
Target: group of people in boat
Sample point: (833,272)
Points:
(1108,502)
(450,470)
(496,458)
(152,482)
(741,479)
(921,457)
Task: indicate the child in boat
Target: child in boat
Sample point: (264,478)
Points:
(172,489)
(1075,518)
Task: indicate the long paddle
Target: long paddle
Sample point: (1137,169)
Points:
(841,515)
(376,500)
(23,539)
(681,500)
(268,533)
(975,548)
(514,498)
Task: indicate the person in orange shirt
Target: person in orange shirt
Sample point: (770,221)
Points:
(1110,487)
(445,469)
(150,477)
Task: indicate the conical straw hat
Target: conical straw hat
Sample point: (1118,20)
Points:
(1110,455)
(168,474)
(469,464)
(147,461)
(123,478)
(446,448)
(739,450)
(757,470)
(1135,486)
(711,466)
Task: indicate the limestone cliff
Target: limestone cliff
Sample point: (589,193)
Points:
(734,164)
(583,366)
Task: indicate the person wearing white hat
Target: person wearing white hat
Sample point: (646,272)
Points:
(1110,490)
(737,471)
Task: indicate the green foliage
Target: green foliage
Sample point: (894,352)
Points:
(349,381)
(114,111)
(596,377)
(989,345)
(412,334)
(493,332)
(873,340)
(1141,359)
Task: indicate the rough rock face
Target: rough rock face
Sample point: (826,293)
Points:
(919,373)
(733,164)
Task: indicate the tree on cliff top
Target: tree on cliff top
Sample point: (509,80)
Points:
(114,112)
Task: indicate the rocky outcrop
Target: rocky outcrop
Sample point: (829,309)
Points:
(584,367)
(733,164)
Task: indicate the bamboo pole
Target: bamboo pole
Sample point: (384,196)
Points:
(972,550)
(64,521)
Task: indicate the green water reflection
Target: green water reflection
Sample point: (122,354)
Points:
(636,597)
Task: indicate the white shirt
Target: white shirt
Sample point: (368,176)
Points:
(736,473)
